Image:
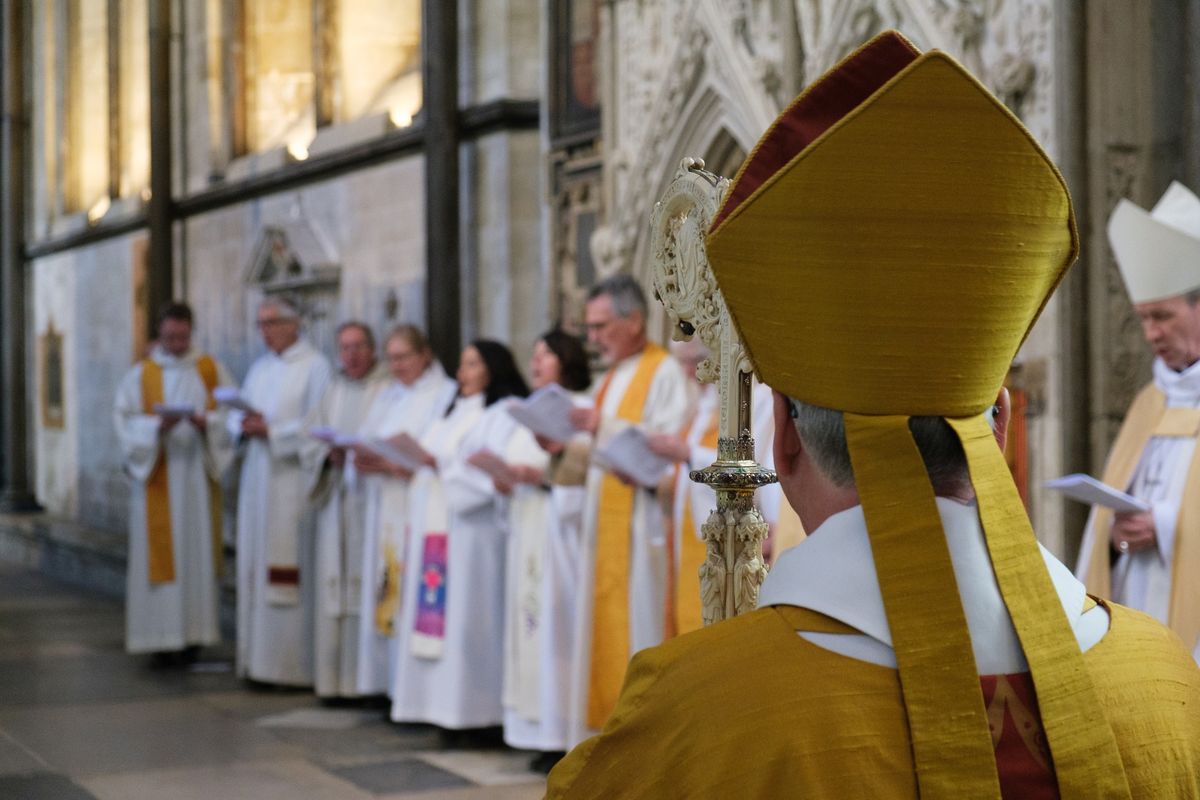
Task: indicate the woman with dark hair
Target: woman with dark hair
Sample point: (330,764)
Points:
(449,665)
(544,516)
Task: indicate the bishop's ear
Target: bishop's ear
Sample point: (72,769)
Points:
(787,445)
(1001,414)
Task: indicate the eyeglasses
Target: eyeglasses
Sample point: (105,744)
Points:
(596,327)
(270,323)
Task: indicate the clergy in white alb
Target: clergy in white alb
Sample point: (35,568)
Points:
(339,496)
(623,560)
(451,648)
(275,520)
(539,597)
(417,396)
(1151,560)
(174,449)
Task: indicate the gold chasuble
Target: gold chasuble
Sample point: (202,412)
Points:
(610,610)
(161,550)
(883,252)
(1149,417)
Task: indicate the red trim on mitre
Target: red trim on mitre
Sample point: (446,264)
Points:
(836,94)
(283,576)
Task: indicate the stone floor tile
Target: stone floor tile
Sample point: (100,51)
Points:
(519,792)
(15,759)
(151,734)
(286,779)
(40,786)
(486,767)
(400,776)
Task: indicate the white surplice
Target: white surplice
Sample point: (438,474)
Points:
(397,409)
(1142,580)
(702,497)
(275,520)
(832,572)
(172,616)
(528,511)
(666,410)
(461,686)
(340,500)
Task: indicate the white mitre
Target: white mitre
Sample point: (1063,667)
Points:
(1158,253)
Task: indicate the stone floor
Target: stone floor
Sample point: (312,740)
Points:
(80,719)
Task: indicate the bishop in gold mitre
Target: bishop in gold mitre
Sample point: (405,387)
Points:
(1150,560)
(884,251)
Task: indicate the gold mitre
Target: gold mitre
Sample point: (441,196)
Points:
(884,251)
(891,239)
(1158,253)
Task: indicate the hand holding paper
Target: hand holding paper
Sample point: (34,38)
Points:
(546,412)
(174,410)
(493,465)
(629,453)
(229,396)
(1086,489)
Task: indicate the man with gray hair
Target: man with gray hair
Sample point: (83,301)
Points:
(340,499)
(274,523)
(623,561)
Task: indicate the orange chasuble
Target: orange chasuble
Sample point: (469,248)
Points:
(610,598)
(161,549)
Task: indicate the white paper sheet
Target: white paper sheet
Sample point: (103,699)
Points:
(1086,489)
(174,410)
(492,464)
(629,452)
(229,396)
(324,434)
(546,412)
(380,447)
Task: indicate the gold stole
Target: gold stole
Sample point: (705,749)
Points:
(161,550)
(1149,417)
(692,549)
(610,598)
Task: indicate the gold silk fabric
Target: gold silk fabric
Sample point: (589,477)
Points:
(884,252)
(748,709)
(1149,417)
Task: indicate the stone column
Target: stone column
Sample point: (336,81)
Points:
(15,494)
(1136,110)
(159,214)
(439,68)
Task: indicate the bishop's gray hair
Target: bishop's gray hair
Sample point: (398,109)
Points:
(626,295)
(283,307)
(823,432)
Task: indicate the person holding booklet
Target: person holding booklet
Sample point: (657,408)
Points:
(542,559)
(419,393)
(623,556)
(1150,559)
(340,499)
(692,502)
(174,450)
(274,521)
(450,656)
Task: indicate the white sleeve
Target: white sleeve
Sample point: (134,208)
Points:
(137,432)
(285,437)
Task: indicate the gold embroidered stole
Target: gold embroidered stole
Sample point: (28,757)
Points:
(610,594)
(1149,417)
(161,550)
(692,548)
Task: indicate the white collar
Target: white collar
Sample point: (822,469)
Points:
(298,349)
(160,356)
(832,572)
(1180,387)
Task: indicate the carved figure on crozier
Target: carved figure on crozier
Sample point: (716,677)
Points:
(712,571)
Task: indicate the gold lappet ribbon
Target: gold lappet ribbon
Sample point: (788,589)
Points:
(610,597)
(1086,758)
(160,550)
(952,748)
(692,549)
